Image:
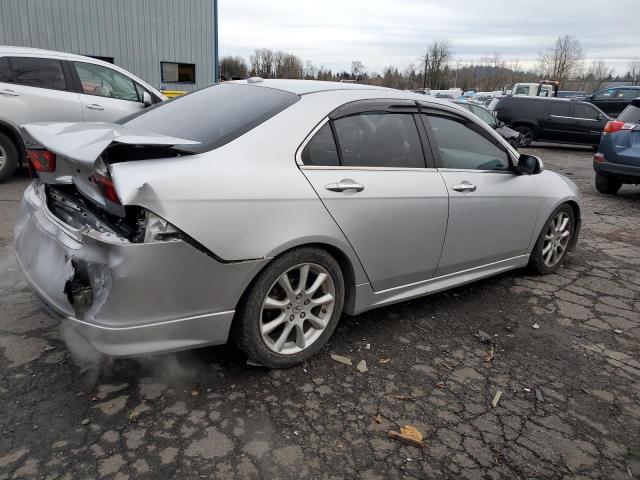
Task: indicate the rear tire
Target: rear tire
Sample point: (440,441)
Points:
(280,322)
(8,157)
(553,242)
(607,185)
(526,135)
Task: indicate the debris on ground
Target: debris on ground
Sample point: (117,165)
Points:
(49,348)
(401,397)
(535,326)
(483,337)
(85,421)
(618,331)
(408,434)
(378,418)
(440,385)
(496,399)
(384,360)
(367,346)
(362,366)
(341,359)
(527,389)
(489,356)
(194,392)
(539,395)
(253,363)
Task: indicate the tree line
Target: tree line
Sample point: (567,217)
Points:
(564,61)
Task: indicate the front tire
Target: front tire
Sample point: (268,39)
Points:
(607,185)
(526,135)
(554,241)
(8,157)
(291,308)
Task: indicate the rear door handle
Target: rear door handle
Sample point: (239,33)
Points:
(464,187)
(346,184)
(9,93)
(95,106)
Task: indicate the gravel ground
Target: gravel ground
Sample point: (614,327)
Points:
(570,404)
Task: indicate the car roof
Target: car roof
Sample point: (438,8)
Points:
(305,87)
(10,50)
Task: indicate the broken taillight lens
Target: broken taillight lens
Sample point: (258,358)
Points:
(41,160)
(102,178)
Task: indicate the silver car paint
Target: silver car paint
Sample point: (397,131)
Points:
(247,202)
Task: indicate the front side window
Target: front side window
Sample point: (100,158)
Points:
(379,139)
(484,115)
(178,72)
(321,149)
(38,72)
(105,82)
(462,146)
(581,110)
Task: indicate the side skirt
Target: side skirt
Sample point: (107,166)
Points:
(367,299)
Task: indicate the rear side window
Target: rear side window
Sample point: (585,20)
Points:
(631,114)
(379,139)
(321,149)
(462,146)
(628,93)
(6,75)
(213,116)
(38,72)
(560,109)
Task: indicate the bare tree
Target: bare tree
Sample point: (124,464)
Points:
(435,60)
(634,71)
(562,60)
(358,72)
(233,68)
(598,72)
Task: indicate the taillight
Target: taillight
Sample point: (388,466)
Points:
(41,160)
(599,157)
(616,125)
(102,178)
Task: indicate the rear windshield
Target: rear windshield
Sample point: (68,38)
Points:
(213,116)
(631,114)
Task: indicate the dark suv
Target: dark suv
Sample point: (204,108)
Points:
(557,120)
(612,101)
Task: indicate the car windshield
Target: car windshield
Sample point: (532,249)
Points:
(213,116)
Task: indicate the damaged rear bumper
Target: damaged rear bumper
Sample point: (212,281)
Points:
(127,298)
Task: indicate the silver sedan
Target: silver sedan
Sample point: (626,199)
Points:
(265,209)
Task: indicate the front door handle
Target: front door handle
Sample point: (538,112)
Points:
(464,187)
(95,106)
(346,184)
(9,93)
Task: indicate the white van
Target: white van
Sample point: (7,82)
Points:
(531,89)
(46,86)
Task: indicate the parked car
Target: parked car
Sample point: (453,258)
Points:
(614,100)
(557,120)
(266,209)
(570,94)
(510,135)
(618,157)
(544,88)
(45,86)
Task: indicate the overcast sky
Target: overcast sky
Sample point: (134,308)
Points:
(395,32)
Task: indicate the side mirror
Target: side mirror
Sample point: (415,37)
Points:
(146,99)
(529,164)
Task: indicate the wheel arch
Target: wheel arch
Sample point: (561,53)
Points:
(11,132)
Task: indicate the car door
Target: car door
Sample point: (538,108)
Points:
(368,168)
(37,90)
(557,123)
(603,100)
(492,210)
(106,94)
(588,123)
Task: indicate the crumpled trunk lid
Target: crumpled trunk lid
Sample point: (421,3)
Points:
(79,145)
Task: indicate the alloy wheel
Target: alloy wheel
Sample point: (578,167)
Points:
(297,308)
(3,157)
(525,136)
(556,239)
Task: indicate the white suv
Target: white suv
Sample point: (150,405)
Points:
(46,86)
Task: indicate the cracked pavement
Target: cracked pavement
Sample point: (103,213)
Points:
(570,403)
